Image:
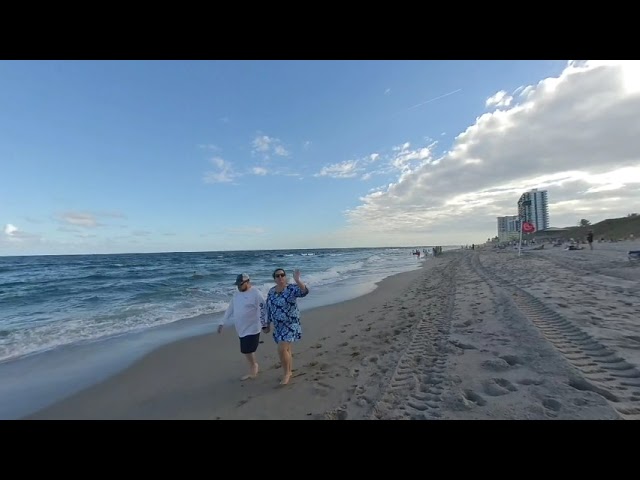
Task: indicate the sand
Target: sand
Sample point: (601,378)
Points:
(551,334)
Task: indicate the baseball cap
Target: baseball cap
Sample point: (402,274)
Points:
(243,277)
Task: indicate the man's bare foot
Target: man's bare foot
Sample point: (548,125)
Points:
(253,373)
(285,379)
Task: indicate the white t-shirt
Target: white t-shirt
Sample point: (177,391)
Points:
(246,311)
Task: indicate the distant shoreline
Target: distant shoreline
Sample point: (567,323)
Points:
(445,247)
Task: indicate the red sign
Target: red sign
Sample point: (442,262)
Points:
(528,227)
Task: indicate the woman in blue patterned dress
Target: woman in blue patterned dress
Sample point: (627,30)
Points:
(282,310)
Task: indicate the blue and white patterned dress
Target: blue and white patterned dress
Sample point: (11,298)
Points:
(282,310)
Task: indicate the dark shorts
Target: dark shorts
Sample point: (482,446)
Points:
(249,344)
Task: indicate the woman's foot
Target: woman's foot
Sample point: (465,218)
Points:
(285,379)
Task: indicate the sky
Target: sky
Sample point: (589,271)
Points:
(158,156)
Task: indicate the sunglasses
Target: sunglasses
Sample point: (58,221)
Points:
(278,275)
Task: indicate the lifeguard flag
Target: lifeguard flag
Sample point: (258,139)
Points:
(528,227)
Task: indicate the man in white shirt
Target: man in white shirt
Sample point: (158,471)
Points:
(247,311)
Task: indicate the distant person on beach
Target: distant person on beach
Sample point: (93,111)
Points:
(590,239)
(247,311)
(282,310)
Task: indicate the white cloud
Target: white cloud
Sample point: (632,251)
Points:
(15,235)
(387,91)
(402,160)
(306,144)
(262,143)
(280,150)
(210,146)
(224,173)
(265,145)
(499,99)
(80,219)
(346,169)
(577,135)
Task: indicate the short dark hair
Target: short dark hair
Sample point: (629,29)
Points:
(277,270)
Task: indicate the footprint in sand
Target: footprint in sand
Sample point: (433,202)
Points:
(496,387)
(322,389)
(474,398)
(370,359)
(343,344)
(552,404)
(463,346)
(512,360)
(495,364)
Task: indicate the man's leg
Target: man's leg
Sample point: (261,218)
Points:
(253,366)
(248,346)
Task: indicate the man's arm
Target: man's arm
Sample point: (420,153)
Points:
(262,309)
(227,315)
(266,325)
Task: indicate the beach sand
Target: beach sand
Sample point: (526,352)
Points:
(552,334)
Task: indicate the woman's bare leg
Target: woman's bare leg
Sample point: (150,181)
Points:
(284,351)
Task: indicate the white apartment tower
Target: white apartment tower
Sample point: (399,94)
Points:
(508,228)
(533,208)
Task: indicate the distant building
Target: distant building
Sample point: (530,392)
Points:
(533,207)
(508,228)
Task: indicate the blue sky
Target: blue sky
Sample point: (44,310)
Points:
(140,156)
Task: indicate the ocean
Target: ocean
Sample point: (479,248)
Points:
(64,317)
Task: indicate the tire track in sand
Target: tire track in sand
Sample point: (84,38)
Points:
(416,385)
(601,370)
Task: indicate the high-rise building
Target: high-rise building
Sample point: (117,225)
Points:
(533,208)
(508,228)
